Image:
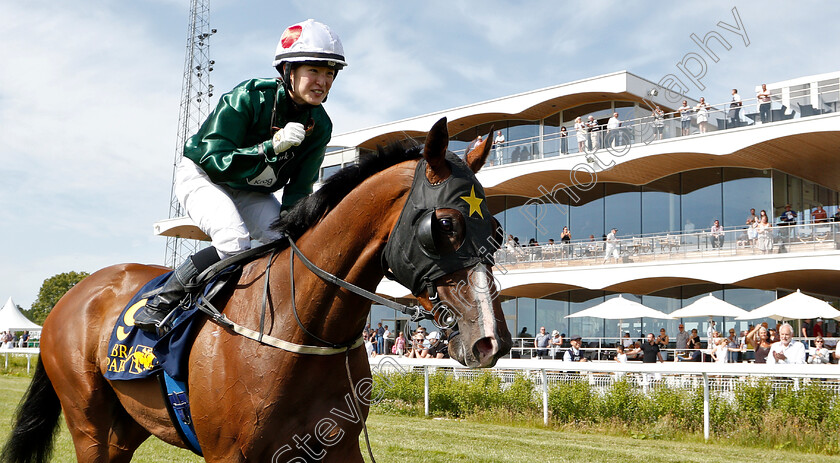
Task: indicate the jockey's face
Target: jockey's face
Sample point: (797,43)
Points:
(311,84)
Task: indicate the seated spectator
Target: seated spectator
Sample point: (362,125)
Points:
(574,353)
(819,354)
(819,215)
(786,351)
(717,235)
(437,348)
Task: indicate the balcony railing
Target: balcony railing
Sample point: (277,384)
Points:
(693,244)
(651,129)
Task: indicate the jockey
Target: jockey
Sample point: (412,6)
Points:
(266,134)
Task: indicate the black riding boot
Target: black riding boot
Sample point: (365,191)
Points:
(158,307)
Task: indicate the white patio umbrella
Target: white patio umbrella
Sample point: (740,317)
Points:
(619,308)
(794,306)
(709,306)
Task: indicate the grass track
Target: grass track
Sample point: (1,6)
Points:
(401,439)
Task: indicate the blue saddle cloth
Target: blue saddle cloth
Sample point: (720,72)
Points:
(134,353)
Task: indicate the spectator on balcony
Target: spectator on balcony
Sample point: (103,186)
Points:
(763,98)
(774,335)
(663,339)
(626,341)
(735,109)
(819,215)
(564,140)
(437,348)
(594,132)
(566,241)
(658,123)
(498,145)
(682,338)
(733,345)
(818,328)
(819,354)
(556,343)
(612,247)
(620,356)
(752,220)
(764,231)
(399,345)
(474,144)
(788,217)
(685,118)
(650,350)
(541,343)
(573,354)
(719,351)
(614,131)
(592,246)
(702,111)
(693,346)
(786,351)
(717,235)
(580,134)
(759,337)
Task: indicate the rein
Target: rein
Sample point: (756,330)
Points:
(416,312)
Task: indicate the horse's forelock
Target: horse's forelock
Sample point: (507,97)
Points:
(314,207)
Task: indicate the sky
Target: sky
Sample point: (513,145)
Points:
(90,90)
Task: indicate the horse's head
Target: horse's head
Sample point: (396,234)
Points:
(442,249)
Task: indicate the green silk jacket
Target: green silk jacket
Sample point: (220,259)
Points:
(234,146)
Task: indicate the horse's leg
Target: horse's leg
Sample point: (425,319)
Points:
(126,435)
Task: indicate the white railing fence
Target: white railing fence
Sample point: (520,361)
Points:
(712,376)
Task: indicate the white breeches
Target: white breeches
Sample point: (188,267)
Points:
(231,218)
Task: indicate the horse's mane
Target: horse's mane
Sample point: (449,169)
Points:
(314,207)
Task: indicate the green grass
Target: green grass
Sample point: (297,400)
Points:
(398,438)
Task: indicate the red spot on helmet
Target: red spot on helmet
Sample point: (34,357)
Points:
(290,36)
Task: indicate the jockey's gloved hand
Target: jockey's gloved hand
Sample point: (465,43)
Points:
(290,135)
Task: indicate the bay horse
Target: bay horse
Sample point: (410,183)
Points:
(250,401)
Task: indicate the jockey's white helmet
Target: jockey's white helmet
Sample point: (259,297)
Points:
(309,41)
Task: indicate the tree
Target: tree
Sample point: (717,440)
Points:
(51,291)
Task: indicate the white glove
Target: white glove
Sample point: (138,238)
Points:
(290,135)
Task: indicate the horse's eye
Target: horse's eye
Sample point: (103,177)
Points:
(446,225)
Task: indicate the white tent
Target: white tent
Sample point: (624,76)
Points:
(12,320)
(619,309)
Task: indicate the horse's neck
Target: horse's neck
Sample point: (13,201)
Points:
(348,243)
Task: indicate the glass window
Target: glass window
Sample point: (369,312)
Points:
(598,110)
(509,309)
(665,301)
(587,216)
(623,208)
(328,171)
(550,314)
(586,327)
(780,193)
(521,221)
(701,199)
(551,219)
(661,205)
(526,313)
(744,189)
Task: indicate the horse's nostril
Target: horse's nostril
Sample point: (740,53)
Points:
(483,348)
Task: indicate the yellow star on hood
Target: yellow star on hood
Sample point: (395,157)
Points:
(474,202)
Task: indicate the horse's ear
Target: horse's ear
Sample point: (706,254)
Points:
(437,170)
(478,156)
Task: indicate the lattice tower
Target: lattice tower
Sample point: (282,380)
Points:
(196,92)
